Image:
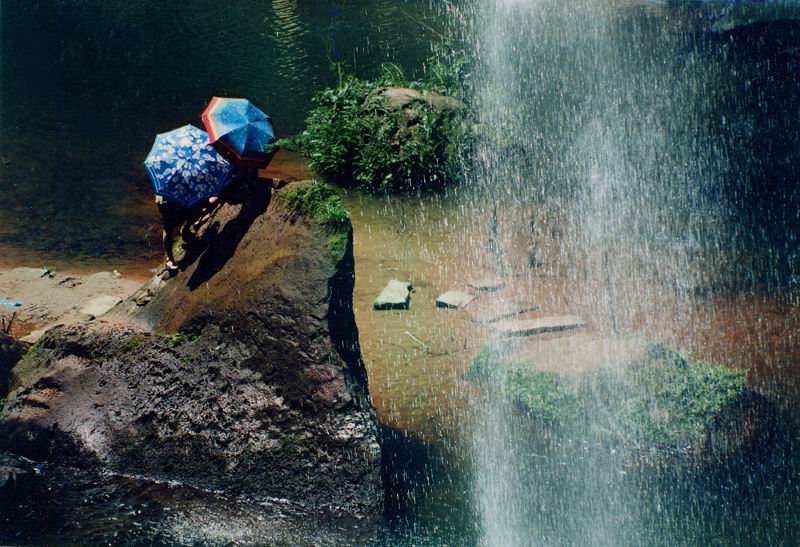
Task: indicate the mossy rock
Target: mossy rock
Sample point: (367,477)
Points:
(653,397)
(319,201)
(387,135)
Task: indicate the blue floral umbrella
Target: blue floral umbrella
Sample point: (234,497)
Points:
(185,168)
(238,128)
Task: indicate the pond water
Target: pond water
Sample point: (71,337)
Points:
(634,145)
(87,85)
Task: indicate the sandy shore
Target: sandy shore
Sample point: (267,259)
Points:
(45,298)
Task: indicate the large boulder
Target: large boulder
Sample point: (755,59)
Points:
(241,373)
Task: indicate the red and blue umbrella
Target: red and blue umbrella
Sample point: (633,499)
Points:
(240,130)
(185,168)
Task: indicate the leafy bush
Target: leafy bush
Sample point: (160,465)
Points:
(353,139)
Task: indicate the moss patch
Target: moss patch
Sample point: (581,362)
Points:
(661,399)
(33,349)
(134,343)
(337,244)
(320,202)
(180,338)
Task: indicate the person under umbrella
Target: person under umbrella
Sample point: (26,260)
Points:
(239,130)
(187,174)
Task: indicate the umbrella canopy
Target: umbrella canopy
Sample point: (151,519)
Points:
(185,168)
(239,129)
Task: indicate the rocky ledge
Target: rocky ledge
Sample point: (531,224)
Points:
(243,373)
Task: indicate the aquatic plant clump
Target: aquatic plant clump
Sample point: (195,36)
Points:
(660,399)
(320,202)
(358,136)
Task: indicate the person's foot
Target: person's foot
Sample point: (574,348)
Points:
(171,266)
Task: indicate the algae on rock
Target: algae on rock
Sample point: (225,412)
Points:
(659,398)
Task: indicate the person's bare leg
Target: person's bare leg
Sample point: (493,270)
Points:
(168,237)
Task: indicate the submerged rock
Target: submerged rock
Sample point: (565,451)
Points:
(395,296)
(500,306)
(538,325)
(243,373)
(489,284)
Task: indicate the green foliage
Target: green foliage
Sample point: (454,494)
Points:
(544,396)
(539,394)
(2,404)
(663,399)
(353,139)
(33,349)
(683,402)
(134,343)
(337,244)
(180,338)
(320,202)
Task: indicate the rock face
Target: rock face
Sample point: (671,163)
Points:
(10,352)
(242,373)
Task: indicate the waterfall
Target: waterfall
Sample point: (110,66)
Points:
(622,118)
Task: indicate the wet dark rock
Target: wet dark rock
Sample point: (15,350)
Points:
(242,373)
(22,491)
(11,351)
(395,296)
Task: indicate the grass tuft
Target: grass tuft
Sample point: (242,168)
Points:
(320,202)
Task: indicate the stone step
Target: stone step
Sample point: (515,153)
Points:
(455,300)
(540,325)
(492,309)
(395,296)
(489,284)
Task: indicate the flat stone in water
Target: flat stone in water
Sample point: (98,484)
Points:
(492,309)
(580,353)
(490,284)
(529,327)
(454,300)
(100,305)
(395,296)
